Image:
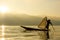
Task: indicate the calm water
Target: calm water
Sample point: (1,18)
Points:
(16,33)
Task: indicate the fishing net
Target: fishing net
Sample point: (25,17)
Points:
(43,23)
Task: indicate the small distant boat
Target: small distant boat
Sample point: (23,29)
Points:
(41,27)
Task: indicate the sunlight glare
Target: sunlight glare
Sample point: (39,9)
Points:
(2,39)
(3,32)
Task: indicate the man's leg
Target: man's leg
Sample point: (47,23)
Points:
(48,34)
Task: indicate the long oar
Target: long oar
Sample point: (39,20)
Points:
(53,28)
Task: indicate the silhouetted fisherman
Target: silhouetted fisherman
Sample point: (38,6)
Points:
(47,27)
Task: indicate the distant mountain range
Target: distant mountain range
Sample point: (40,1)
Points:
(24,19)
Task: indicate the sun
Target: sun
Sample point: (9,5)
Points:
(3,9)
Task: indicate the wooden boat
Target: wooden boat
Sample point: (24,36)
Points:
(41,27)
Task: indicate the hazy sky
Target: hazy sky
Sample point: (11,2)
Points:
(33,7)
(26,8)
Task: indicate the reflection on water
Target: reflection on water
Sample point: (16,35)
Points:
(16,33)
(3,32)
